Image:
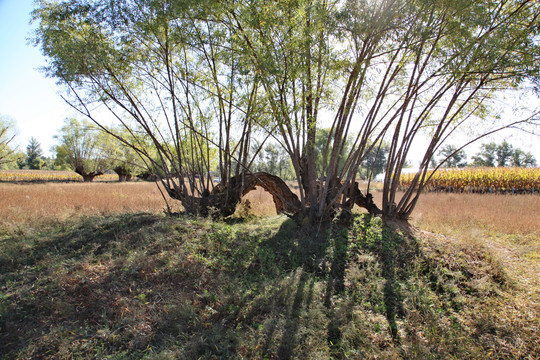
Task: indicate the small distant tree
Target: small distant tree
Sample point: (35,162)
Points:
(505,153)
(124,164)
(274,160)
(486,157)
(34,155)
(270,159)
(7,134)
(523,159)
(320,143)
(375,161)
(451,157)
(123,160)
(79,148)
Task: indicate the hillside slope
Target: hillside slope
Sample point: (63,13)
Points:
(149,286)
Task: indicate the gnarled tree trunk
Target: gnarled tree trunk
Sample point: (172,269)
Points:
(225,198)
(87,176)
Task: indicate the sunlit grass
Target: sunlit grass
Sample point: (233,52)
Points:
(508,214)
(507,226)
(35,204)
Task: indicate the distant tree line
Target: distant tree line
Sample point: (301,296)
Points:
(274,159)
(89,151)
(81,147)
(501,155)
(489,155)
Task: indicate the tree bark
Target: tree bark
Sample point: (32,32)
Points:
(285,200)
(225,198)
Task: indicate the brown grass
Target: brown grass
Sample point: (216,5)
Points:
(36,204)
(260,202)
(505,227)
(508,214)
(436,212)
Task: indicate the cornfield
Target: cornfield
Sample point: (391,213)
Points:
(47,175)
(507,180)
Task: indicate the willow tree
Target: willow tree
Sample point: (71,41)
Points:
(203,77)
(122,159)
(80,147)
(168,70)
(382,70)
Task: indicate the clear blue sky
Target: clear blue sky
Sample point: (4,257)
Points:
(26,95)
(32,100)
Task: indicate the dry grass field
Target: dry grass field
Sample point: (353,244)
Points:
(506,226)
(37,204)
(26,204)
(40,176)
(509,214)
(95,271)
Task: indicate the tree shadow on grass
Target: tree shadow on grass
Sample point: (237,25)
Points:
(73,242)
(35,300)
(299,256)
(395,249)
(133,284)
(326,258)
(314,256)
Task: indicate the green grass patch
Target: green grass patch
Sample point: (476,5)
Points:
(147,286)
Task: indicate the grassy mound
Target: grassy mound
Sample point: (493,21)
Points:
(147,286)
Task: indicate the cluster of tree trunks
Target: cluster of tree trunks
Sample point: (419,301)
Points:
(123,173)
(204,85)
(225,197)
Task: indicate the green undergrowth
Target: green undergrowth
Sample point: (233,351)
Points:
(148,286)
